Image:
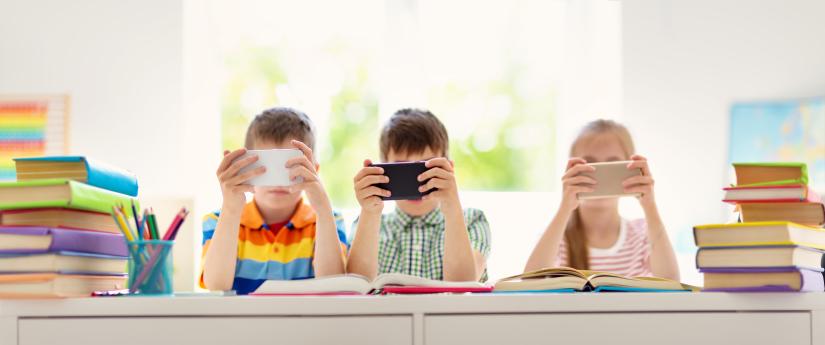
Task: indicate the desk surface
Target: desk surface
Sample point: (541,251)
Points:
(421,304)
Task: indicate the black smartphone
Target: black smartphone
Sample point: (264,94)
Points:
(403,183)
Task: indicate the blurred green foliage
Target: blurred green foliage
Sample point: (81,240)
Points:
(511,151)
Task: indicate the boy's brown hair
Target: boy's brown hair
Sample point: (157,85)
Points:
(279,124)
(413,130)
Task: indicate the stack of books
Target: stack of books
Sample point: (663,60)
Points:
(57,236)
(778,243)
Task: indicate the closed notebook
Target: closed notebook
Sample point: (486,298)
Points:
(53,285)
(770,174)
(805,213)
(57,217)
(63,262)
(757,280)
(59,193)
(786,193)
(760,257)
(569,279)
(759,234)
(353,284)
(44,239)
(78,168)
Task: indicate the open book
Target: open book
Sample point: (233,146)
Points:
(353,284)
(565,279)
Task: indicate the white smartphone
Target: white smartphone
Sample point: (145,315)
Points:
(276,175)
(609,177)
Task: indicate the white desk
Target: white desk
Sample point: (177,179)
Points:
(674,318)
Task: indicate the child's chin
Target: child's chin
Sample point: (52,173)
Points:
(416,207)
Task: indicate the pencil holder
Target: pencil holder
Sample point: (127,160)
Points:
(150,267)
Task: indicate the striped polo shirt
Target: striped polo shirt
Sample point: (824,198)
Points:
(272,254)
(629,256)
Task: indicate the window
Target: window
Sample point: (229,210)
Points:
(511,80)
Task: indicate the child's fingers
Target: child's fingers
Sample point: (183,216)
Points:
(579,180)
(242,178)
(368,192)
(237,165)
(434,183)
(637,189)
(371,180)
(243,188)
(303,172)
(578,169)
(639,162)
(439,162)
(373,200)
(367,171)
(303,161)
(304,149)
(575,161)
(434,172)
(228,157)
(637,180)
(581,189)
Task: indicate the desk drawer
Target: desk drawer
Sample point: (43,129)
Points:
(217,330)
(621,328)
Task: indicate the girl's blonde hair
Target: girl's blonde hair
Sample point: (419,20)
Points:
(574,237)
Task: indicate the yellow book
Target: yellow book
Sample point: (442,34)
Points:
(759,234)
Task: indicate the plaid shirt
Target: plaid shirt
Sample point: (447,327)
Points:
(415,245)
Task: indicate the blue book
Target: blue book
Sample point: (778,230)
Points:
(78,168)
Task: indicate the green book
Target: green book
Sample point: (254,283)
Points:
(771,174)
(60,193)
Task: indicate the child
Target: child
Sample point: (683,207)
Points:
(431,238)
(590,234)
(278,235)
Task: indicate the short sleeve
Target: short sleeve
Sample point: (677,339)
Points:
(209,223)
(479,231)
(341,228)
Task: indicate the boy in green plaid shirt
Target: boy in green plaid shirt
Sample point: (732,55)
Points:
(433,237)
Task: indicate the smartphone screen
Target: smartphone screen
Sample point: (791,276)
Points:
(404,182)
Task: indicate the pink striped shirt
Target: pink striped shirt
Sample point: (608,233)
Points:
(629,256)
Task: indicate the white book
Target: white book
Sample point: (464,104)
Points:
(354,284)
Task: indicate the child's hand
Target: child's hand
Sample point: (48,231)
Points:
(442,178)
(233,184)
(573,183)
(304,168)
(369,195)
(640,184)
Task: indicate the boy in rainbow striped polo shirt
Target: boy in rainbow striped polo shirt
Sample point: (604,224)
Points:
(279,235)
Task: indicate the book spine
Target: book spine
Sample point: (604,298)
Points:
(111,178)
(90,198)
(88,242)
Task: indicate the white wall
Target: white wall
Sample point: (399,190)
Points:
(133,104)
(684,62)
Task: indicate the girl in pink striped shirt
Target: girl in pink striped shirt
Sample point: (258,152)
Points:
(590,234)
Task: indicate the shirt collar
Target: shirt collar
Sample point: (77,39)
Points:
(304,215)
(403,220)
